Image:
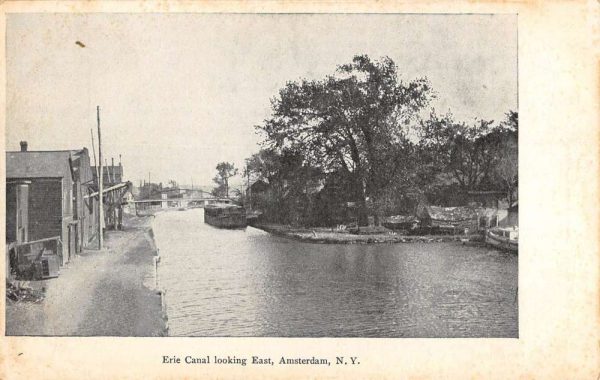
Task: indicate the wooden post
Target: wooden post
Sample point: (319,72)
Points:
(248,189)
(100,185)
(120,221)
(95,167)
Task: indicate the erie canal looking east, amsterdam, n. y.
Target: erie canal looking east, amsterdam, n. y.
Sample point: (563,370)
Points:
(251,283)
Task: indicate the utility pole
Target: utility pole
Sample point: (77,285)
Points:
(94,152)
(100,185)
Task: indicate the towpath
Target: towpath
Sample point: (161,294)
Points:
(100,293)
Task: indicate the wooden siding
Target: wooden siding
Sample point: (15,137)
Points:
(45,208)
(11,213)
(16,212)
(50,211)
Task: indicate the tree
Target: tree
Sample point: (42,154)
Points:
(356,121)
(225,170)
(482,156)
(507,167)
(464,153)
(290,183)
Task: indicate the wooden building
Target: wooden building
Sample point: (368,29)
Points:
(57,182)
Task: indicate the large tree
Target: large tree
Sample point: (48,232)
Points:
(355,121)
(225,170)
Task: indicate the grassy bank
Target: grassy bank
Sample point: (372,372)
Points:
(99,293)
(329,236)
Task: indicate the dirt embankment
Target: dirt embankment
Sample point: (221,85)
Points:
(99,293)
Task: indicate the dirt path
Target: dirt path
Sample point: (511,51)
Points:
(100,293)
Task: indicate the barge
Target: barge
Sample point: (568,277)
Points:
(225,216)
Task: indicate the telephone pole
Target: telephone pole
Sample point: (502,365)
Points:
(100,185)
(94,152)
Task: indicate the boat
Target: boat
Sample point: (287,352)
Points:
(503,237)
(225,216)
(252,216)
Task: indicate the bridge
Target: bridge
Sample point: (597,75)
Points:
(165,203)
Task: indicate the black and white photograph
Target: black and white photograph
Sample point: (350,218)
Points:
(262,175)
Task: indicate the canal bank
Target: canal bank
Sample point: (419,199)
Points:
(330,236)
(100,293)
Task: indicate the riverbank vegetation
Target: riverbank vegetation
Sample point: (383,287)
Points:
(362,144)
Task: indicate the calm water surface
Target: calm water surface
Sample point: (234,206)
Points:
(249,283)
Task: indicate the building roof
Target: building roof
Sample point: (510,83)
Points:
(259,185)
(40,164)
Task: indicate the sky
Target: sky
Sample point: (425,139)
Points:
(179,93)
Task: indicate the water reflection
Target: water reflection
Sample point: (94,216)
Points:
(249,283)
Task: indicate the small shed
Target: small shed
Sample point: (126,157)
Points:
(488,217)
(512,218)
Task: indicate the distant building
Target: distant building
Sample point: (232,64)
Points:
(259,186)
(47,198)
(113,174)
(255,195)
(115,190)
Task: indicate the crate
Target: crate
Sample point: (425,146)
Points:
(47,267)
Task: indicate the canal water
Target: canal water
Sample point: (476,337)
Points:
(250,283)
